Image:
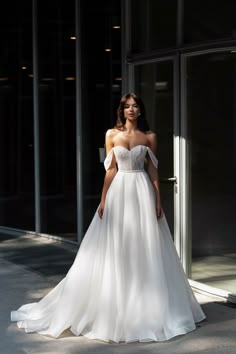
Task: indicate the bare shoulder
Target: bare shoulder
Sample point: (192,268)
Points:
(152,137)
(111,133)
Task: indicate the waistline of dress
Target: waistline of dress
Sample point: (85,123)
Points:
(131,171)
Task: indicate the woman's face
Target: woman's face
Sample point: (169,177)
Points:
(131,109)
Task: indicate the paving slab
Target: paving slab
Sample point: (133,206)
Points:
(30,266)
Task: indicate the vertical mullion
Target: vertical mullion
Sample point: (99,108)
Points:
(78,97)
(176,155)
(185,177)
(180,23)
(125,43)
(36,117)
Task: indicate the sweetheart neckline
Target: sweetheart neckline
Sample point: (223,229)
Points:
(131,148)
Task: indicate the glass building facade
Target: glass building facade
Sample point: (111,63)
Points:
(50,134)
(63,68)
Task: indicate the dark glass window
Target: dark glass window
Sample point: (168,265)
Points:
(56,57)
(211,129)
(101,92)
(16,117)
(154,24)
(209,20)
(101,79)
(154,83)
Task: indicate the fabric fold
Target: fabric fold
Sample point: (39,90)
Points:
(126,283)
(152,157)
(108,159)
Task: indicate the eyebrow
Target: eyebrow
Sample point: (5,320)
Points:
(129,104)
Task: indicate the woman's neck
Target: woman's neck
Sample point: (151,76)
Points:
(130,127)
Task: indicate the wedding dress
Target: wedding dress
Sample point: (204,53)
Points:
(127,282)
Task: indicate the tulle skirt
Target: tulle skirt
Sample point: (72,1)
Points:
(126,283)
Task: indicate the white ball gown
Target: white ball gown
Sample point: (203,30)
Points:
(126,282)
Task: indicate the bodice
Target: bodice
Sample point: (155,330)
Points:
(130,160)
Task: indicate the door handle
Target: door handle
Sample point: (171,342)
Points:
(169,180)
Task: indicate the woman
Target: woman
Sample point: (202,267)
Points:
(127,282)
(131,130)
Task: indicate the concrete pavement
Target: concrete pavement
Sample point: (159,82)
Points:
(30,266)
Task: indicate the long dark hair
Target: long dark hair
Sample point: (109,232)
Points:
(142,123)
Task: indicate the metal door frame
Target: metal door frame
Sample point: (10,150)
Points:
(176,140)
(185,173)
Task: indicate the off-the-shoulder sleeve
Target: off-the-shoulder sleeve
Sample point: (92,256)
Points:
(152,157)
(108,159)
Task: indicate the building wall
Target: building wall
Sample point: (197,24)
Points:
(157,29)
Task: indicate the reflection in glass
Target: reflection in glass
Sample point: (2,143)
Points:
(16,117)
(153,24)
(102,79)
(154,83)
(56,52)
(205,20)
(212,129)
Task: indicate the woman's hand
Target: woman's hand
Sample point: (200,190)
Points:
(159,209)
(101,209)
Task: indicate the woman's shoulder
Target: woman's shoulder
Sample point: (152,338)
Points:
(151,138)
(110,133)
(151,134)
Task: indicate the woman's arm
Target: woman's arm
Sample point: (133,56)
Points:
(153,174)
(110,173)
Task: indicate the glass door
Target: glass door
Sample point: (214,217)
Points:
(155,83)
(211,135)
